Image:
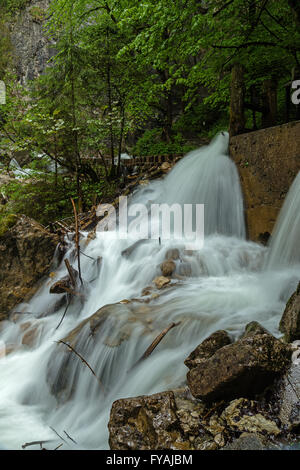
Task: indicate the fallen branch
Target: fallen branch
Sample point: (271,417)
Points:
(77,239)
(71,439)
(84,362)
(52,429)
(94,259)
(70,271)
(64,314)
(156,342)
(34,443)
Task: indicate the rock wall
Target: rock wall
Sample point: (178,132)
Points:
(31,48)
(268,160)
(26,254)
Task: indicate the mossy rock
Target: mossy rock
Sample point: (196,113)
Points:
(7,222)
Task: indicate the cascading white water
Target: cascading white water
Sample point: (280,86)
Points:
(222,286)
(284,246)
(205,176)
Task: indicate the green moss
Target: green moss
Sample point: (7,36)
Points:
(7,221)
(37,13)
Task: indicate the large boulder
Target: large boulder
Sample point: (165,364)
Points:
(242,415)
(145,423)
(26,253)
(290,321)
(207,348)
(287,395)
(167,268)
(242,369)
(167,420)
(249,441)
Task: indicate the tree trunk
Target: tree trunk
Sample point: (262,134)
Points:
(237,101)
(269,117)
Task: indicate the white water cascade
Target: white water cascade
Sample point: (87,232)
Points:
(284,246)
(222,286)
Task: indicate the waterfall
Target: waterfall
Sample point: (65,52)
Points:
(205,176)
(285,242)
(221,286)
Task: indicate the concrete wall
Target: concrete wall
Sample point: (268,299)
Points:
(268,161)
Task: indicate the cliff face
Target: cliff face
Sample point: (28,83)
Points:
(31,48)
(268,161)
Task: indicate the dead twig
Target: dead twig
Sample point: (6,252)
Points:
(70,271)
(56,448)
(71,439)
(156,342)
(34,443)
(84,362)
(77,239)
(52,429)
(64,314)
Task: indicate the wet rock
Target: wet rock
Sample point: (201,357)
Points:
(146,423)
(131,249)
(30,336)
(173,254)
(290,321)
(185,269)
(242,369)
(166,167)
(205,443)
(207,348)
(28,254)
(254,328)
(146,291)
(161,282)
(247,441)
(189,411)
(60,286)
(288,396)
(242,416)
(167,268)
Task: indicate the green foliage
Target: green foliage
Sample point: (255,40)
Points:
(37,13)
(48,199)
(124,67)
(7,220)
(12,6)
(151,144)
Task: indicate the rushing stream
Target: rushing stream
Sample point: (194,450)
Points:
(224,285)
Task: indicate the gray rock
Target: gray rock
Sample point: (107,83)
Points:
(207,348)
(289,398)
(242,369)
(247,441)
(290,321)
(26,254)
(254,328)
(31,47)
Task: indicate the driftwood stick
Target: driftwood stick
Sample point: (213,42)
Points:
(94,259)
(70,271)
(63,227)
(64,314)
(56,448)
(82,360)
(52,429)
(77,239)
(156,342)
(33,443)
(71,439)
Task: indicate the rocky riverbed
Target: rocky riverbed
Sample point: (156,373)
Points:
(243,395)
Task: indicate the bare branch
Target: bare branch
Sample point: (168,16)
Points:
(82,360)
